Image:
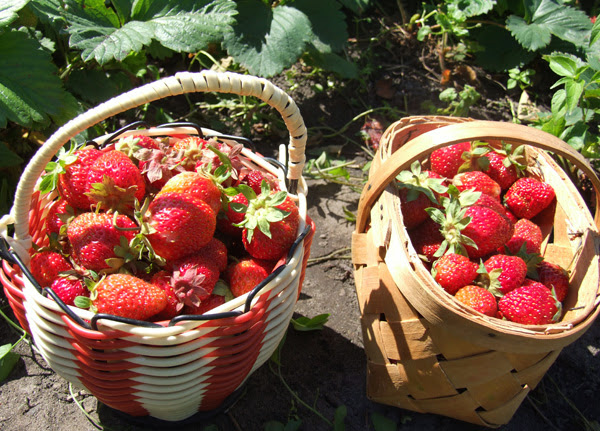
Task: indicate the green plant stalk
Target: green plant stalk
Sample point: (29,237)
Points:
(13,324)
(587,423)
(87,415)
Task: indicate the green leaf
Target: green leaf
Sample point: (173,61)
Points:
(356,6)
(304,323)
(92,85)
(9,9)
(328,23)
(550,18)
(8,158)
(264,226)
(97,31)
(574,91)
(475,7)
(333,63)
(500,51)
(8,360)
(31,94)
(531,36)
(381,423)
(339,417)
(265,40)
(562,65)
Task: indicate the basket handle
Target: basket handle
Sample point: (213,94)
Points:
(181,83)
(427,142)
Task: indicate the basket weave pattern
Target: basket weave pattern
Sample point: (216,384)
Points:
(172,371)
(428,353)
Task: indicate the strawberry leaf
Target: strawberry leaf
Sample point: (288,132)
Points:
(31,93)
(264,226)
(9,12)
(8,360)
(304,323)
(266,40)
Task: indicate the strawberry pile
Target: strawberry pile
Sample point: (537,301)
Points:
(472,216)
(152,228)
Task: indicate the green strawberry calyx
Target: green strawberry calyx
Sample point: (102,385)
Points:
(261,210)
(417,181)
(64,158)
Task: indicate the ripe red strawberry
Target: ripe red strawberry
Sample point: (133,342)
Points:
(213,301)
(72,185)
(527,197)
(243,276)
(530,304)
(156,159)
(446,161)
(216,252)
(114,181)
(182,224)
(229,218)
(127,296)
(58,214)
(494,203)
(93,237)
(68,289)
(426,239)
(270,225)
(418,190)
(554,277)
(453,271)
(487,228)
(508,271)
(195,184)
(501,169)
(162,279)
(46,265)
(254,179)
(194,279)
(479,299)
(479,181)
(528,233)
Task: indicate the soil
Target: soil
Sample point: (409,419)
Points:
(326,369)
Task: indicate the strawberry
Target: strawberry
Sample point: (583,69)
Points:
(228,219)
(530,304)
(195,184)
(494,203)
(58,214)
(479,299)
(254,179)
(487,229)
(447,160)
(68,289)
(156,159)
(162,279)
(114,181)
(554,277)
(270,225)
(506,272)
(191,149)
(243,276)
(94,237)
(216,252)
(527,197)
(127,296)
(528,233)
(45,266)
(418,190)
(453,271)
(478,181)
(504,167)
(194,279)
(213,301)
(72,184)
(426,239)
(180,224)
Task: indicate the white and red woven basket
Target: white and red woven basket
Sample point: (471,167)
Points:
(171,370)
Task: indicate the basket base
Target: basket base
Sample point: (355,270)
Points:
(199,418)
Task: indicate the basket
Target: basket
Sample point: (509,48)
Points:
(168,370)
(428,353)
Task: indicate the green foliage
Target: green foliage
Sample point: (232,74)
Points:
(575,109)
(8,360)
(304,323)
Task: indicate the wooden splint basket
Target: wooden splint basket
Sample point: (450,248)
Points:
(428,353)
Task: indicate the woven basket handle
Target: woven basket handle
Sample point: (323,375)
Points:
(181,83)
(425,143)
